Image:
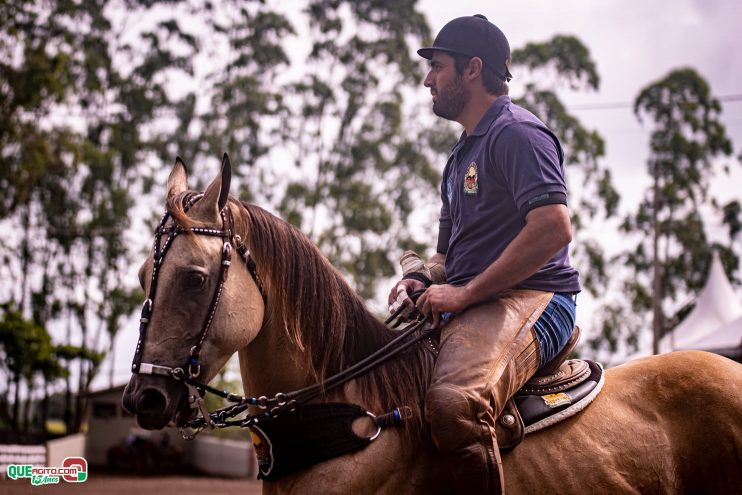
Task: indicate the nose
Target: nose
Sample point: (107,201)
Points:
(154,401)
(151,402)
(428,81)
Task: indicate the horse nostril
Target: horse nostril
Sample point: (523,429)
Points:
(151,401)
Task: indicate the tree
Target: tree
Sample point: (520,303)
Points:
(72,135)
(672,252)
(27,355)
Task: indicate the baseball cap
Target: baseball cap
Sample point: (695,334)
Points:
(474,36)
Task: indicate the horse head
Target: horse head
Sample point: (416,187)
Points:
(202,304)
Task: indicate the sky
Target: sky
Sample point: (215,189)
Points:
(634,43)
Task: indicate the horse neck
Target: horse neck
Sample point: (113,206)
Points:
(272,364)
(309,311)
(275,362)
(315,325)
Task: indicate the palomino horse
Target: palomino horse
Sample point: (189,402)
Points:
(665,424)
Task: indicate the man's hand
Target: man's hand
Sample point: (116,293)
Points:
(443,298)
(400,294)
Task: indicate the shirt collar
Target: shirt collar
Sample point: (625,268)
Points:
(489,116)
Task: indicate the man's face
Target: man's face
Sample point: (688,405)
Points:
(450,96)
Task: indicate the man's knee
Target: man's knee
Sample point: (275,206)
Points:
(452,418)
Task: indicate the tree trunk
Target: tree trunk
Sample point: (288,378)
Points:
(17,403)
(45,410)
(68,405)
(113,360)
(27,408)
(656,267)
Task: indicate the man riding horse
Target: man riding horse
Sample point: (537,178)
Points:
(506,307)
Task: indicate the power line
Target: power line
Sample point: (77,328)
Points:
(628,104)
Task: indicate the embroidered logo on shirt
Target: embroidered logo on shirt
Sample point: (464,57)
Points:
(470,179)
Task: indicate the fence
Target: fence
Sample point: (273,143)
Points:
(61,448)
(221,457)
(21,454)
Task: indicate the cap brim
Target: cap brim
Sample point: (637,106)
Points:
(426,52)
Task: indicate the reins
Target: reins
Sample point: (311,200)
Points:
(281,402)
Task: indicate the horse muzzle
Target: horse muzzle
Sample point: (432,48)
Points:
(155,401)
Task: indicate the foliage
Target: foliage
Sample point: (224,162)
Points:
(672,252)
(27,357)
(362,162)
(72,134)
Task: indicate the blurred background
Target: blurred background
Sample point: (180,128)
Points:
(321,107)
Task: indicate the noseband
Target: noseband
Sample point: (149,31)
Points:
(193,366)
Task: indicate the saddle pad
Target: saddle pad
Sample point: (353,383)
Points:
(540,411)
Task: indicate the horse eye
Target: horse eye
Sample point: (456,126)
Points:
(195,280)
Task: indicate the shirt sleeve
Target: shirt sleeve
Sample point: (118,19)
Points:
(530,160)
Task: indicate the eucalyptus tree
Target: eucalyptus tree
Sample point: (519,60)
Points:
(362,160)
(672,250)
(72,134)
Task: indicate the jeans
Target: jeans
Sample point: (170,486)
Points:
(555,326)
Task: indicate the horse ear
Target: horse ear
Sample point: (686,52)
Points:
(226,174)
(216,194)
(177,181)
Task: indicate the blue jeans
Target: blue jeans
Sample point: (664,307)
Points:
(554,326)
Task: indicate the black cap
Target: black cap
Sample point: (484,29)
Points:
(474,36)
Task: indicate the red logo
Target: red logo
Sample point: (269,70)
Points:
(82,469)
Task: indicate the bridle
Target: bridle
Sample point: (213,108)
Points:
(193,366)
(270,406)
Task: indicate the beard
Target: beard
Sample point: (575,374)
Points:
(452,100)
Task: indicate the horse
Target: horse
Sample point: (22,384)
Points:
(664,424)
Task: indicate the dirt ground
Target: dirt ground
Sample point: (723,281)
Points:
(113,484)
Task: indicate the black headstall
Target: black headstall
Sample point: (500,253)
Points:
(192,369)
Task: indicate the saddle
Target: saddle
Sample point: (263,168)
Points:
(558,391)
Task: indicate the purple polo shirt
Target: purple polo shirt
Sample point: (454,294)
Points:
(509,165)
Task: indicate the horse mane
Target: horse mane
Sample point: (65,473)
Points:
(324,317)
(319,311)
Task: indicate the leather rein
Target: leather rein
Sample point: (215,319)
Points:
(188,374)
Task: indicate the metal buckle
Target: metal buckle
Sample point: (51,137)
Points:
(378,431)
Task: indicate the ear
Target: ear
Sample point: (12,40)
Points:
(177,181)
(216,194)
(475,68)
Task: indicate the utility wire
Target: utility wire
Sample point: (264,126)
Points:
(628,104)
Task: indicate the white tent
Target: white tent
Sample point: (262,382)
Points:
(717,306)
(713,324)
(726,340)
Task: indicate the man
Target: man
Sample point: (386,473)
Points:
(503,237)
